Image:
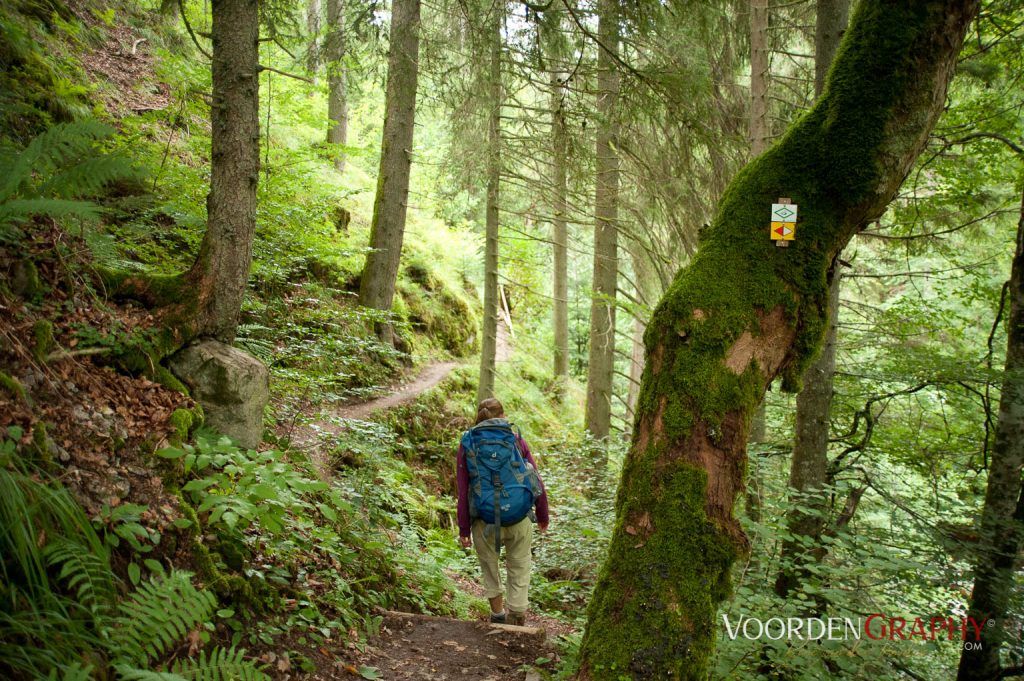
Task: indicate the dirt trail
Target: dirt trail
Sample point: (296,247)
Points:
(424,648)
(428,378)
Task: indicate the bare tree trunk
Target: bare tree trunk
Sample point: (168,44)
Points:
(832,17)
(743,313)
(759,132)
(1002,518)
(636,368)
(808,469)
(489,342)
(402,105)
(377,287)
(606,200)
(313,15)
(808,472)
(759,124)
(220,274)
(560,237)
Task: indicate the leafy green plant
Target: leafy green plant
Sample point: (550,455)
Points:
(240,487)
(122,522)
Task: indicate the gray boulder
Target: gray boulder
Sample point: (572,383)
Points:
(232,386)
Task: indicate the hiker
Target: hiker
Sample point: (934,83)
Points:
(495,463)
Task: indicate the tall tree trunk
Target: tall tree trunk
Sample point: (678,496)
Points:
(759,132)
(489,342)
(377,287)
(1002,517)
(606,200)
(742,313)
(313,15)
(808,472)
(401,104)
(759,125)
(636,368)
(831,19)
(220,273)
(559,236)
(808,469)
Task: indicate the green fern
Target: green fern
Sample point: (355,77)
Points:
(85,573)
(75,672)
(221,665)
(55,172)
(158,616)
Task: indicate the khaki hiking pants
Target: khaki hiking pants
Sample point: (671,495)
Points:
(516,539)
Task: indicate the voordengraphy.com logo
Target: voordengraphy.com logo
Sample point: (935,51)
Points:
(877,627)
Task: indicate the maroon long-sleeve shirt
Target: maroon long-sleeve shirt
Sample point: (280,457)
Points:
(462,482)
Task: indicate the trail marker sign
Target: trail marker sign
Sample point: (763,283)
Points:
(783,222)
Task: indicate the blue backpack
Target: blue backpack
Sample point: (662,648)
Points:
(502,484)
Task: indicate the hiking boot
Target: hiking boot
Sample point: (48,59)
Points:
(498,617)
(516,618)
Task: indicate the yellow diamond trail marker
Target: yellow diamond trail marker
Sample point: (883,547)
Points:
(783,222)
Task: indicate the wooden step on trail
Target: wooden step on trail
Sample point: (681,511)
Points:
(418,647)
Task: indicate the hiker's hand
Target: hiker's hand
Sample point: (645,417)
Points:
(466,542)
(543,527)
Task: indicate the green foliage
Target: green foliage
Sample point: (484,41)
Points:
(122,523)
(157,616)
(240,488)
(54,172)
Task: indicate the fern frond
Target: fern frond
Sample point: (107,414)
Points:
(157,616)
(75,672)
(87,177)
(21,210)
(85,573)
(221,665)
(50,151)
(129,673)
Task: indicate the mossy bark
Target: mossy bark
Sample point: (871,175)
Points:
(743,313)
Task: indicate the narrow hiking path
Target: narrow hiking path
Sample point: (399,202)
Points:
(313,433)
(413,647)
(430,377)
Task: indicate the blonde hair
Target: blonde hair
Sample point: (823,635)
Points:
(489,409)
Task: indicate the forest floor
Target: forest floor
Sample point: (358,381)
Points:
(424,648)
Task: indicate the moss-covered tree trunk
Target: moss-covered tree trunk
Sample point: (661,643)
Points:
(1002,519)
(489,341)
(601,362)
(743,313)
(808,471)
(218,279)
(387,230)
(337,82)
